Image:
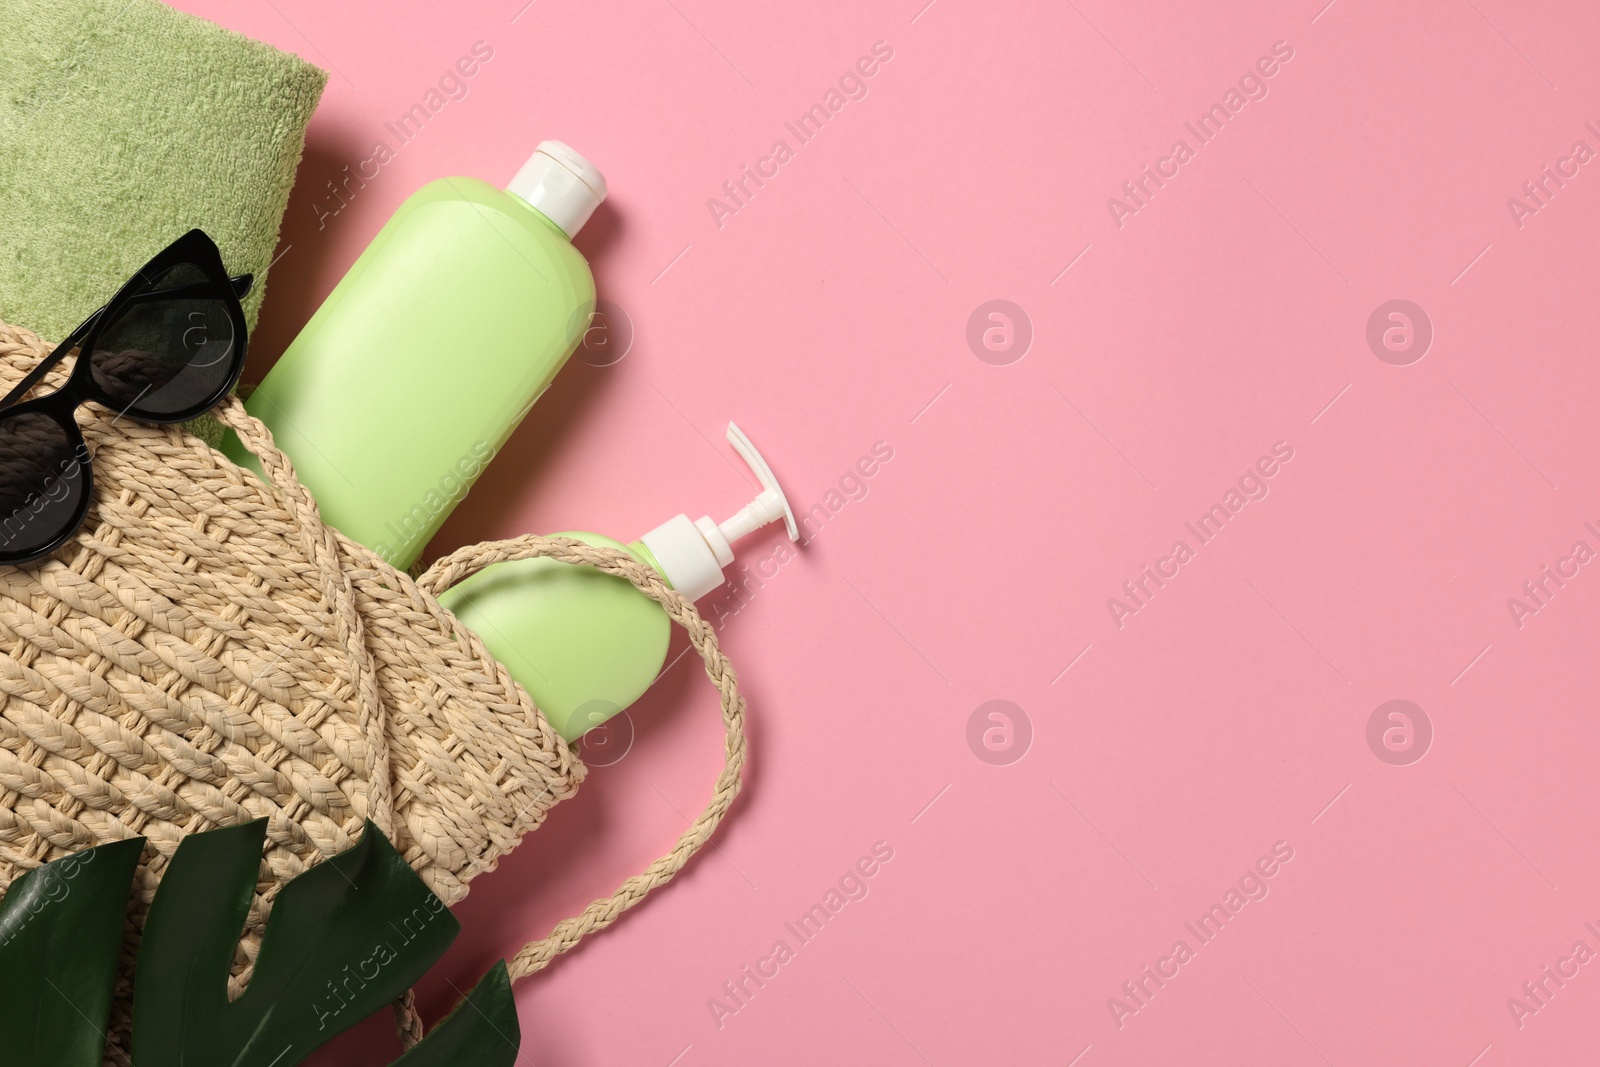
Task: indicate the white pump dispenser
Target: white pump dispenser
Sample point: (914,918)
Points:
(692,554)
(586,644)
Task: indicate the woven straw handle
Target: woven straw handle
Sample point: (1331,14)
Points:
(465,562)
(459,565)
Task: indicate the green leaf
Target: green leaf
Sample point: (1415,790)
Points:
(482,1031)
(344,938)
(61,931)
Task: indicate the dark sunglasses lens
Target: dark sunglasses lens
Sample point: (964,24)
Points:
(41,483)
(171,350)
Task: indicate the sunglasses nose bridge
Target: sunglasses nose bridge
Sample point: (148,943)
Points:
(192,259)
(73,393)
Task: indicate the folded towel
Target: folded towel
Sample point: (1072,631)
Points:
(124,123)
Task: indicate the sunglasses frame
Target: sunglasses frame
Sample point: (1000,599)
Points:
(194,248)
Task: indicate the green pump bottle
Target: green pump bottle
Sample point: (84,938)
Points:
(584,644)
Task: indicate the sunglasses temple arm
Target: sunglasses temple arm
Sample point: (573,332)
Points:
(240,284)
(49,362)
(241,287)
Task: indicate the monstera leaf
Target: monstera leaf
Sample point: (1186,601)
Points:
(61,929)
(343,940)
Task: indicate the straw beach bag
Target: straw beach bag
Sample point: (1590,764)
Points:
(205,651)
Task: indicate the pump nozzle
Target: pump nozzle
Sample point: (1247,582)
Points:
(692,554)
(770,506)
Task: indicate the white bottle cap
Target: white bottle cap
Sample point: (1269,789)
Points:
(561,185)
(692,554)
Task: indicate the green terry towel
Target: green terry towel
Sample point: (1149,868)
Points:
(124,123)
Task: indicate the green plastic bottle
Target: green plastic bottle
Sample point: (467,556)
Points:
(584,644)
(416,369)
(430,351)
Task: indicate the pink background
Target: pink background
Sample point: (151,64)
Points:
(1168,754)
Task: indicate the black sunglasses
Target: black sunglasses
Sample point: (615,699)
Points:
(165,349)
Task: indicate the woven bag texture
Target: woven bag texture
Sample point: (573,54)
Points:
(205,651)
(189,660)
